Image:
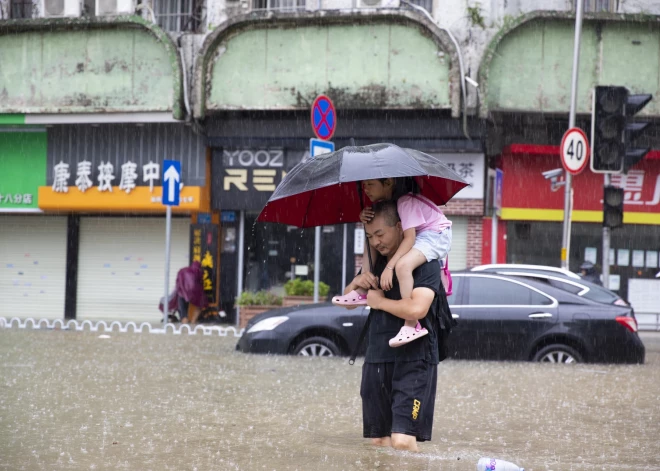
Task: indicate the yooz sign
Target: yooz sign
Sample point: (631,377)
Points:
(253,158)
(575,151)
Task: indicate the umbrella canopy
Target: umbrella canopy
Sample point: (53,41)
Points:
(323,191)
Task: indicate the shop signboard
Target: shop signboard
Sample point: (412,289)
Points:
(470,167)
(246,178)
(22,170)
(106,188)
(531,198)
(204,249)
(120,168)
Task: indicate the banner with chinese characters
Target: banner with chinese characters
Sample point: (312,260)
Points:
(244,179)
(117,168)
(93,189)
(469,166)
(527,195)
(22,170)
(204,249)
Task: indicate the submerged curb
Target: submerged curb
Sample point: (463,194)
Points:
(116,326)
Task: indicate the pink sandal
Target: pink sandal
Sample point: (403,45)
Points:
(351,299)
(408,334)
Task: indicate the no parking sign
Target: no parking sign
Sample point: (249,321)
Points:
(324,118)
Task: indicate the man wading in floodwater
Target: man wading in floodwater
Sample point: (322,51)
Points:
(399,384)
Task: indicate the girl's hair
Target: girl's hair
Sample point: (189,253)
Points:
(402,186)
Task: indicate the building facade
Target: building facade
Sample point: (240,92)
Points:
(225,86)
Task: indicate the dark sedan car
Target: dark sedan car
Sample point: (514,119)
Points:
(309,330)
(499,318)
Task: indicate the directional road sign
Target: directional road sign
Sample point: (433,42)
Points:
(324,117)
(575,150)
(171,179)
(318,147)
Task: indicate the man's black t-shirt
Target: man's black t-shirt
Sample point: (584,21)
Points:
(384,325)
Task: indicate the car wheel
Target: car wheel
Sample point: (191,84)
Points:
(558,353)
(317,347)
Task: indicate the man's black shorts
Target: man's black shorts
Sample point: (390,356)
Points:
(398,398)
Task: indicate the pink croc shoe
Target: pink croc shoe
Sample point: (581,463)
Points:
(408,334)
(350,300)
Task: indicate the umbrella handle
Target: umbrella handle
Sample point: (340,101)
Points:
(359,189)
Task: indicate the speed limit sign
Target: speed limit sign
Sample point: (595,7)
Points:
(575,150)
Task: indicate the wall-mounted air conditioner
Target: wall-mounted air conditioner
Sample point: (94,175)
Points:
(115,7)
(59,8)
(378,3)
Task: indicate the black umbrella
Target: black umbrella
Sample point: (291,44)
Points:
(322,190)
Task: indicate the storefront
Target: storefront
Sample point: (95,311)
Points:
(107,180)
(251,155)
(33,247)
(243,180)
(532,215)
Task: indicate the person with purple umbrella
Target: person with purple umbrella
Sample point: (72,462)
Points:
(190,290)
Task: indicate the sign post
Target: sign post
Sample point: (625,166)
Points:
(324,123)
(171,194)
(497,209)
(568,190)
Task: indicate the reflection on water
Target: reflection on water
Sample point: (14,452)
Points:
(70,400)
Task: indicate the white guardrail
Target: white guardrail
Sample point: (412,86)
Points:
(116,326)
(648,320)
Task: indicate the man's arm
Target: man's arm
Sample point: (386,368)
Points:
(411,309)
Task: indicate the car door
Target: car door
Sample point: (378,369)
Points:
(500,316)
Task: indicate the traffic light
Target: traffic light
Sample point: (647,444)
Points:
(613,207)
(634,104)
(612,129)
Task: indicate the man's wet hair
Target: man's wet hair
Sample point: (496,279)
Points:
(387,209)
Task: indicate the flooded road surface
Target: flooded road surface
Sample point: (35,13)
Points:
(73,401)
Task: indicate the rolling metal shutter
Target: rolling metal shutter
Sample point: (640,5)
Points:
(458,253)
(121,273)
(32,266)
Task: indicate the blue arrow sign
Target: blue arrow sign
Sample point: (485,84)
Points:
(171,179)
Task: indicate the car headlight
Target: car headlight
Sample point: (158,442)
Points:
(267,324)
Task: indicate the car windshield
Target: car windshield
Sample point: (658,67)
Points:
(600,295)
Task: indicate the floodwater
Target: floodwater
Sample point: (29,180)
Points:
(73,401)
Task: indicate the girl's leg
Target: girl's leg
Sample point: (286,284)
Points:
(404,268)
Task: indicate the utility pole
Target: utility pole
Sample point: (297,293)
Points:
(605,268)
(568,189)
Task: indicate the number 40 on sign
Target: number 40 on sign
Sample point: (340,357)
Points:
(575,150)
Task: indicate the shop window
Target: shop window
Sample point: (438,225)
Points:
(523,231)
(279,5)
(21,9)
(598,6)
(179,15)
(425,4)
